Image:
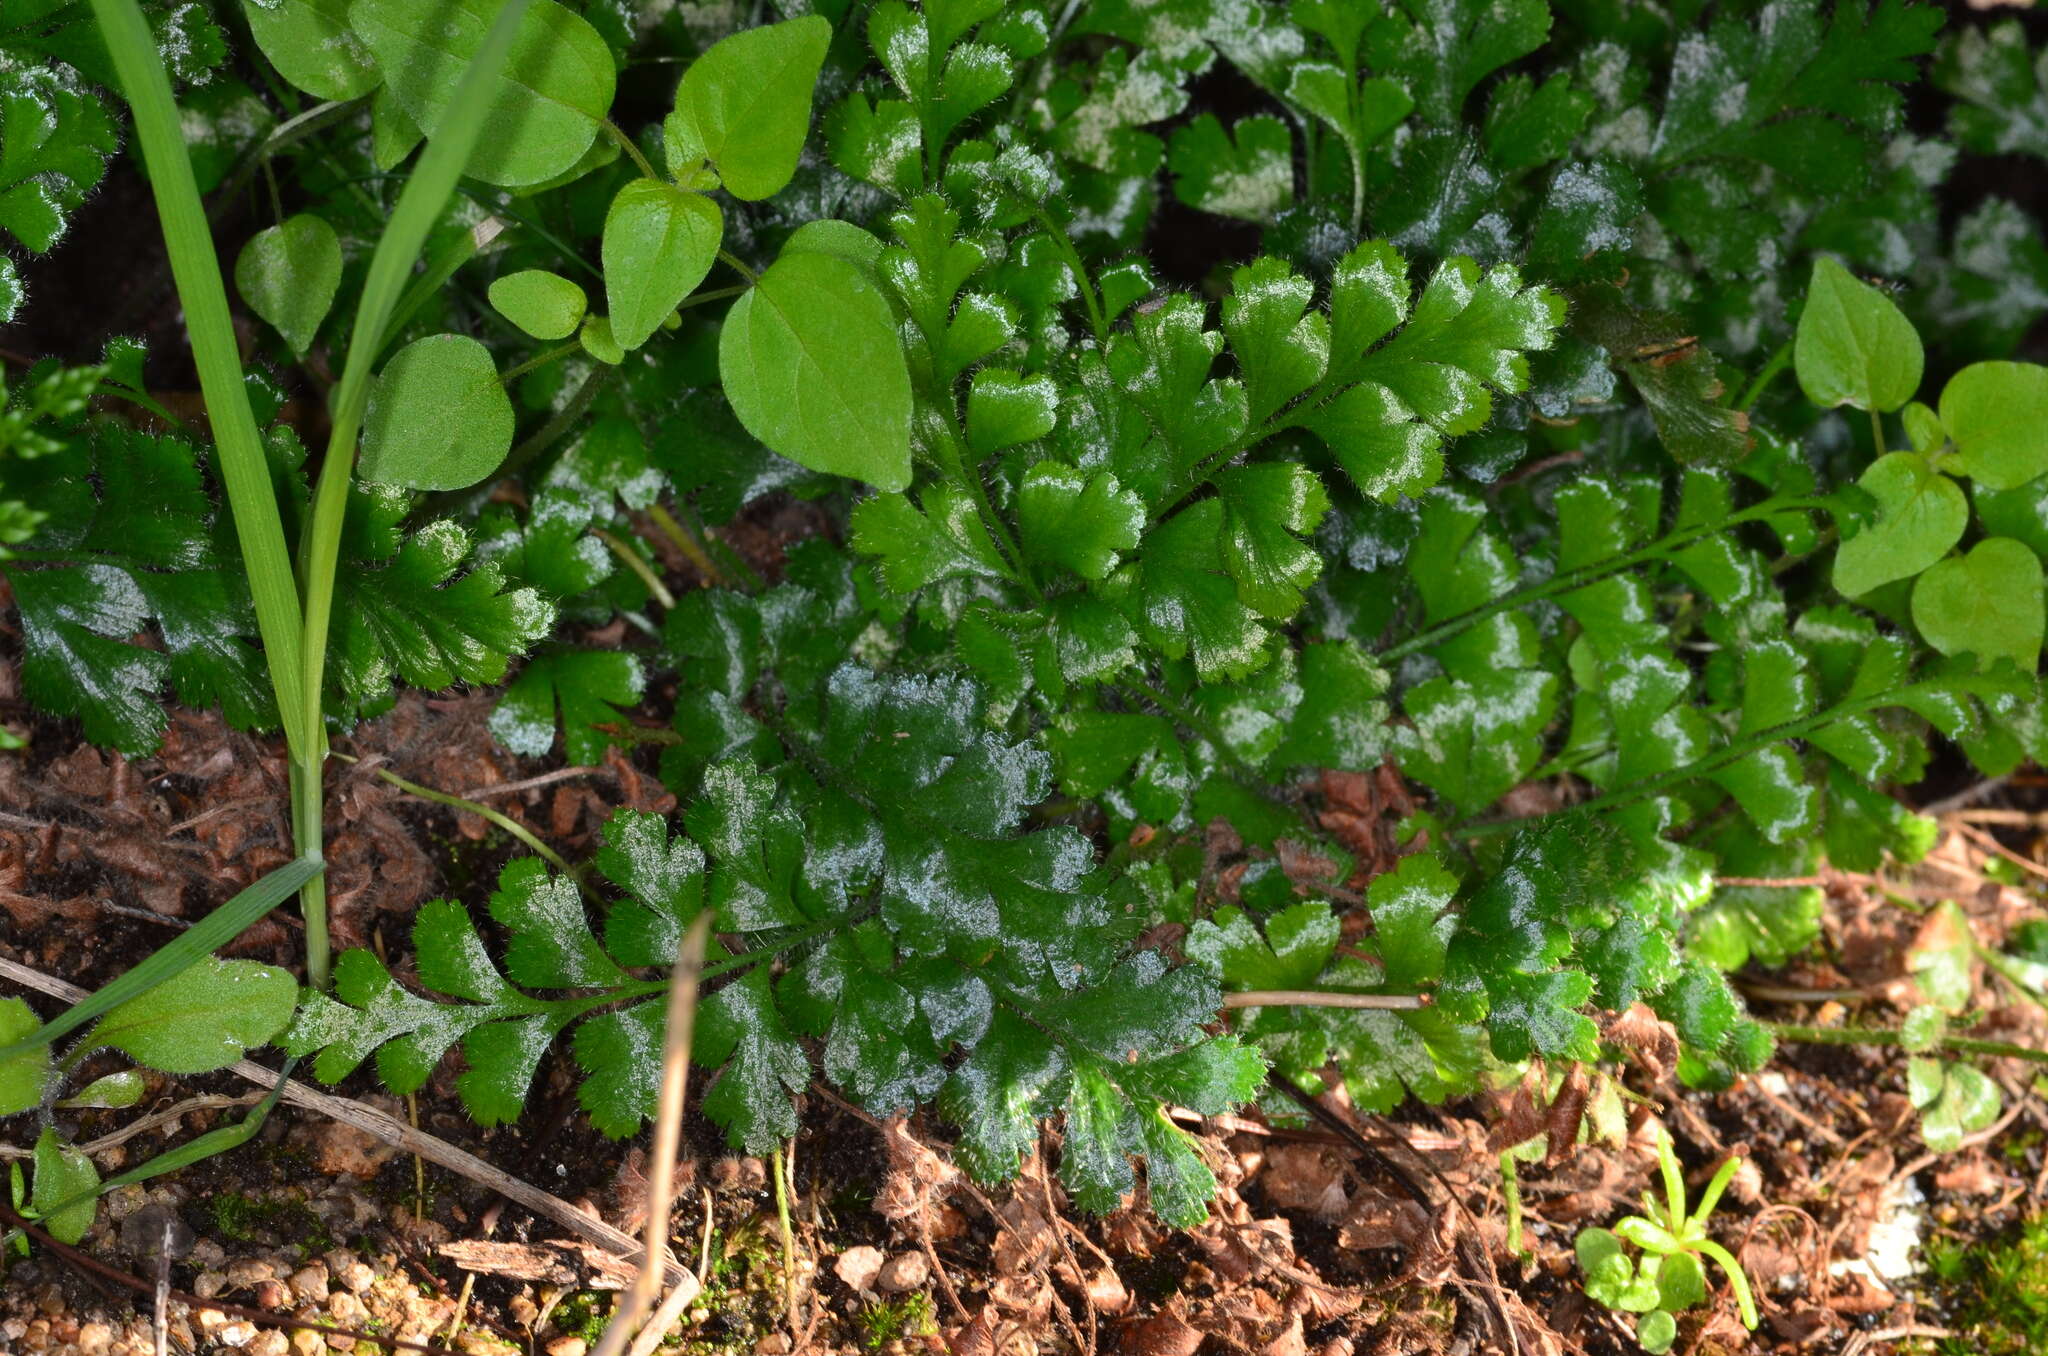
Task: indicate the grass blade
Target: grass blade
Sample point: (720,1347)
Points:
(215,930)
(419,206)
(244,469)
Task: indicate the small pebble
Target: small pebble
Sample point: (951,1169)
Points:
(774,1344)
(270,1342)
(236,1334)
(858,1267)
(207,1284)
(245,1272)
(272,1295)
(306,1343)
(94,1339)
(568,1346)
(346,1309)
(310,1284)
(905,1271)
(358,1277)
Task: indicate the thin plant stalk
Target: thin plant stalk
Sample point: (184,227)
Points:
(668,1134)
(419,206)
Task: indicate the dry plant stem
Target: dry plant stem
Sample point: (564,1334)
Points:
(784,1172)
(1313,998)
(662,1319)
(204,1102)
(1990,844)
(560,774)
(668,1136)
(401,1136)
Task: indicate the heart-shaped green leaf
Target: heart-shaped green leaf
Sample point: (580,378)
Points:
(546,106)
(745,105)
(1987,602)
(289,274)
(1921,514)
(438,418)
(659,242)
(1854,346)
(1997,413)
(814,369)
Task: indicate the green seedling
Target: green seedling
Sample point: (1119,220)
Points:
(1671,1274)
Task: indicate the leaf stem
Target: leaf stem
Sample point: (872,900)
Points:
(1323,998)
(1589,574)
(1876,434)
(455,802)
(630,147)
(739,266)
(1065,243)
(539,360)
(1768,373)
(692,549)
(1881,1035)
(637,563)
(1713,762)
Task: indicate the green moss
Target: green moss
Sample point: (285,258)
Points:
(239,1218)
(888,1320)
(1996,1294)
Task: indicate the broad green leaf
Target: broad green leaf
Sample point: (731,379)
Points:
(21,1073)
(289,274)
(745,105)
(1921,514)
(63,1174)
(545,305)
(311,44)
(813,368)
(1988,602)
(439,418)
(659,242)
(203,1018)
(1854,346)
(1997,413)
(548,105)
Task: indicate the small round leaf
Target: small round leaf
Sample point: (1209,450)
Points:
(545,305)
(1921,514)
(1988,602)
(205,1017)
(438,418)
(289,274)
